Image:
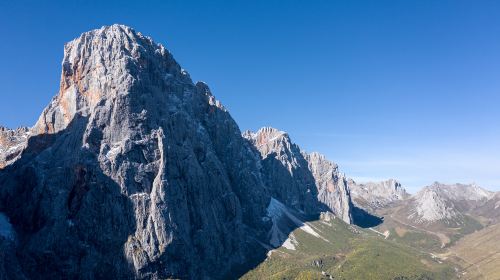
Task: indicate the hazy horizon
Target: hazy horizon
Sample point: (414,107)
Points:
(385,89)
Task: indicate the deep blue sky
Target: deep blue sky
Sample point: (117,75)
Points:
(403,89)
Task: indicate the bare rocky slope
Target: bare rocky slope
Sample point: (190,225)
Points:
(448,203)
(135,171)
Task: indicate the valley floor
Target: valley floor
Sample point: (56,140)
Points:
(348,252)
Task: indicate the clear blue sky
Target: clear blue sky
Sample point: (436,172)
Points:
(403,89)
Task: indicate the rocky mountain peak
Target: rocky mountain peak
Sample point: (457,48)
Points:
(134,171)
(459,191)
(432,206)
(268,135)
(377,194)
(104,63)
(442,202)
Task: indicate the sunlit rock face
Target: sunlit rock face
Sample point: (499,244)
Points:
(308,182)
(133,171)
(447,203)
(333,190)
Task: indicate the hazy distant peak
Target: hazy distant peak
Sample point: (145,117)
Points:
(377,194)
(459,191)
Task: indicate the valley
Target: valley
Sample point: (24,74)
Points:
(394,249)
(348,252)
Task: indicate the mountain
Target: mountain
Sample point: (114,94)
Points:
(374,195)
(308,181)
(440,202)
(12,142)
(134,171)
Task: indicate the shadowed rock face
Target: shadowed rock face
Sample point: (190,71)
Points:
(134,171)
(308,182)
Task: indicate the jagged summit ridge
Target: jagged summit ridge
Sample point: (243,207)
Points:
(104,63)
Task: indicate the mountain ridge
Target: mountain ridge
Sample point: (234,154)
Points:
(135,171)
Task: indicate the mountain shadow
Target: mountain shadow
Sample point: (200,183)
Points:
(364,219)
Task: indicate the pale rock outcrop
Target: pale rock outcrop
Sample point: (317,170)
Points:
(448,203)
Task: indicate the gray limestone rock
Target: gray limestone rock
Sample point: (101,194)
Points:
(133,171)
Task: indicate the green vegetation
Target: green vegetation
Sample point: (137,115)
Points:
(346,252)
(468,226)
(416,239)
(376,259)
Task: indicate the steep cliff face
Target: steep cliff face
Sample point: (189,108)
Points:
(374,195)
(332,186)
(308,182)
(12,142)
(133,171)
(285,170)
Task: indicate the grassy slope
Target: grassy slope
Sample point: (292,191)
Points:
(479,253)
(349,253)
